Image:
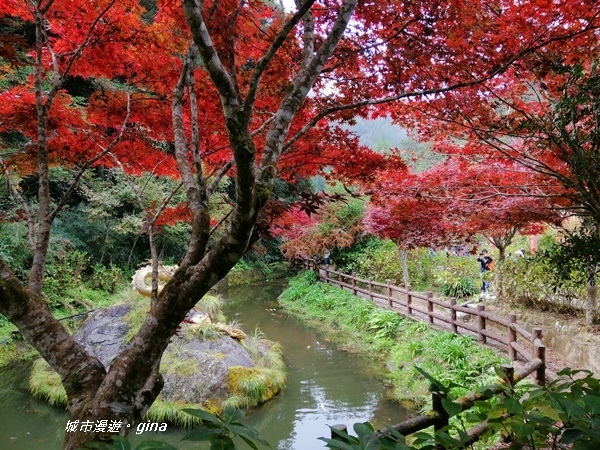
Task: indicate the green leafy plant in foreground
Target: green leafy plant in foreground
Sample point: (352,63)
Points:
(367,439)
(563,414)
(121,443)
(220,430)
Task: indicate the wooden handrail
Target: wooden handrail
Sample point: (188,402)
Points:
(423,306)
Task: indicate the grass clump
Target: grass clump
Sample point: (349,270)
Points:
(252,386)
(401,342)
(45,383)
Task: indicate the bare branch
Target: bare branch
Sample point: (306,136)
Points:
(219,176)
(264,62)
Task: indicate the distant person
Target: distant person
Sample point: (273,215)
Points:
(487,264)
(326,257)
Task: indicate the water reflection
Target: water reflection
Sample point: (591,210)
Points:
(325,386)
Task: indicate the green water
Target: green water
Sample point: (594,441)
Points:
(325,386)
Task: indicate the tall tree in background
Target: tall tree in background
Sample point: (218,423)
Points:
(232,102)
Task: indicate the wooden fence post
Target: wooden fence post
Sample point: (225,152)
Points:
(539,351)
(453,315)
(353,283)
(339,427)
(481,327)
(340,279)
(371,288)
(389,293)
(442,415)
(327,273)
(509,371)
(429,306)
(408,299)
(512,337)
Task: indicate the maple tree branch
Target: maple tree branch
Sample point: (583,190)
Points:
(220,222)
(44,9)
(308,36)
(194,186)
(263,63)
(264,125)
(190,83)
(219,176)
(65,197)
(219,75)
(149,220)
(420,93)
(231,46)
(303,83)
(59,77)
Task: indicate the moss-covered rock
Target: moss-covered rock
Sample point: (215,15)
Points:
(198,366)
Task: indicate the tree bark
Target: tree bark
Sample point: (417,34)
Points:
(591,311)
(404,259)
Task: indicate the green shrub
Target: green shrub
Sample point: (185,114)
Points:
(106,278)
(384,323)
(531,282)
(458,287)
(14,248)
(64,270)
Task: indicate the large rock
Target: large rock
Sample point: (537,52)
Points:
(195,370)
(103,334)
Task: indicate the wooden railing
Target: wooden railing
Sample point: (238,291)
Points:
(467,318)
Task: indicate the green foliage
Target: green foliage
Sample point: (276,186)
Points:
(458,287)
(121,443)
(45,383)
(384,323)
(104,219)
(563,414)
(455,277)
(374,257)
(14,248)
(221,430)
(454,360)
(65,269)
(575,259)
(533,282)
(106,278)
(366,439)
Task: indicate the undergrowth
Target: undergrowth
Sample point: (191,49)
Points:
(356,324)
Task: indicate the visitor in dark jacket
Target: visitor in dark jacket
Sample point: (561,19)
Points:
(486,261)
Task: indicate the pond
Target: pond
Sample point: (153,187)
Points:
(326,386)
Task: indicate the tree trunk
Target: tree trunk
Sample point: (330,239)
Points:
(404,259)
(501,253)
(591,312)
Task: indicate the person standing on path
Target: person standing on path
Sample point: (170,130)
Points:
(486,265)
